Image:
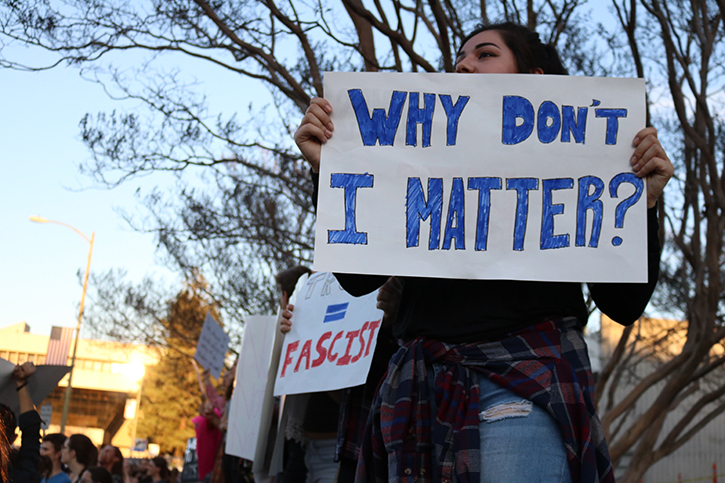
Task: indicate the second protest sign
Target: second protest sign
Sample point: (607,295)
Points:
(332,340)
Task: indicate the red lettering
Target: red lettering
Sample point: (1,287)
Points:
(373,325)
(306,354)
(288,357)
(345,360)
(330,356)
(321,349)
(362,344)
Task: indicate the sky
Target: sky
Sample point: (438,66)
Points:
(41,151)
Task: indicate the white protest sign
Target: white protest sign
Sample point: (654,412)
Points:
(520,177)
(212,347)
(252,401)
(332,340)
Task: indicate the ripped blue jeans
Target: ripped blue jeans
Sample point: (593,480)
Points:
(520,442)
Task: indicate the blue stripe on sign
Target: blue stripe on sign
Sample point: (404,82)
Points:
(337,308)
(334,317)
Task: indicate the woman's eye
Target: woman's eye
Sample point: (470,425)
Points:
(484,54)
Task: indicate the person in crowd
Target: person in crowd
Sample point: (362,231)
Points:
(23,464)
(312,425)
(158,470)
(50,451)
(356,401)
(143,473)
(5,447)
(208,437)
(111,458)
(96,474)
(78,453)
(492,381)
(294,469)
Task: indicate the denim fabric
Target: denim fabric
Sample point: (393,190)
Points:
(521,447)
(524,445)
(320,460)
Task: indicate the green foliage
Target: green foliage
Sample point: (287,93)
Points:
(171,395)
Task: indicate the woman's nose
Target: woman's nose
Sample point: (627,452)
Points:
(465,66)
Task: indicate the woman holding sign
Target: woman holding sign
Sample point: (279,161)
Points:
(506,393)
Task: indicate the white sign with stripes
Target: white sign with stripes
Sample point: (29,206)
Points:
(332,340)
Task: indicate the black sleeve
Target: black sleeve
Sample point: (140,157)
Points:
(25,468)
(355,285)
(625,302)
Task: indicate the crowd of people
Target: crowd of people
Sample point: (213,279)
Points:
(472,380)
(57,458)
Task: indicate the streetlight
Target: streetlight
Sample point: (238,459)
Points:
(68,389)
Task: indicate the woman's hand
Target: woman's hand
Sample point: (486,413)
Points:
(389,299)
(650,161)
(285,324)
(314,130)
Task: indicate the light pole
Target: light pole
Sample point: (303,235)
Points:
(68,389)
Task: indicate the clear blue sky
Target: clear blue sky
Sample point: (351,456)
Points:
(41,150)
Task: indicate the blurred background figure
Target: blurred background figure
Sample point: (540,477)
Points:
(159,470)
(23,464)
(78,453)
(50,465)
(96,474)
(110,457)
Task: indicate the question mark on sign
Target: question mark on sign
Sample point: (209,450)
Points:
(624,205)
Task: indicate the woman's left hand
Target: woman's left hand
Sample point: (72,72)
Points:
(650,161)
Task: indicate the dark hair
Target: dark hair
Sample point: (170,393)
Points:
(162,465)
(56,439)
(287,279)
(4,452)
(86,451)
(117,468)
(99,474)
(9,422)
(528,49)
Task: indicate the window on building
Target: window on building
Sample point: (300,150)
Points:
(41,360)
(97,366)
(31,358)
(13,357)
(22,357)
(4,354)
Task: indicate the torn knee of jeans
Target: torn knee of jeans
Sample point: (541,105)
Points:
(513,409)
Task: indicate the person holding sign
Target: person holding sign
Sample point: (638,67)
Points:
(506,393)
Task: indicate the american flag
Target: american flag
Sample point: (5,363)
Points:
(58,346)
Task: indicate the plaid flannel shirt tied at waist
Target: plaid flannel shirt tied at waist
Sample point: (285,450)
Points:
(547,364)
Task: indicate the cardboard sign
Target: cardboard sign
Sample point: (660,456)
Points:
(332,340)
(40,384)
(252,402)
(212,347)
(519,177)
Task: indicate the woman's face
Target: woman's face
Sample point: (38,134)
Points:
(486,53)
(66,454)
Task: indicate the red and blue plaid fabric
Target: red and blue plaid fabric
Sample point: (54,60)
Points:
(547,364)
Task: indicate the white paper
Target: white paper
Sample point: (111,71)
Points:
(212,347)
(332,340)
(539,231)
(252,401)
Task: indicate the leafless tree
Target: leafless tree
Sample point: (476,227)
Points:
(678,46)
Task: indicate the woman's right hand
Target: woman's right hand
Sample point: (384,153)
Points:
(285,324)
(314,130)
